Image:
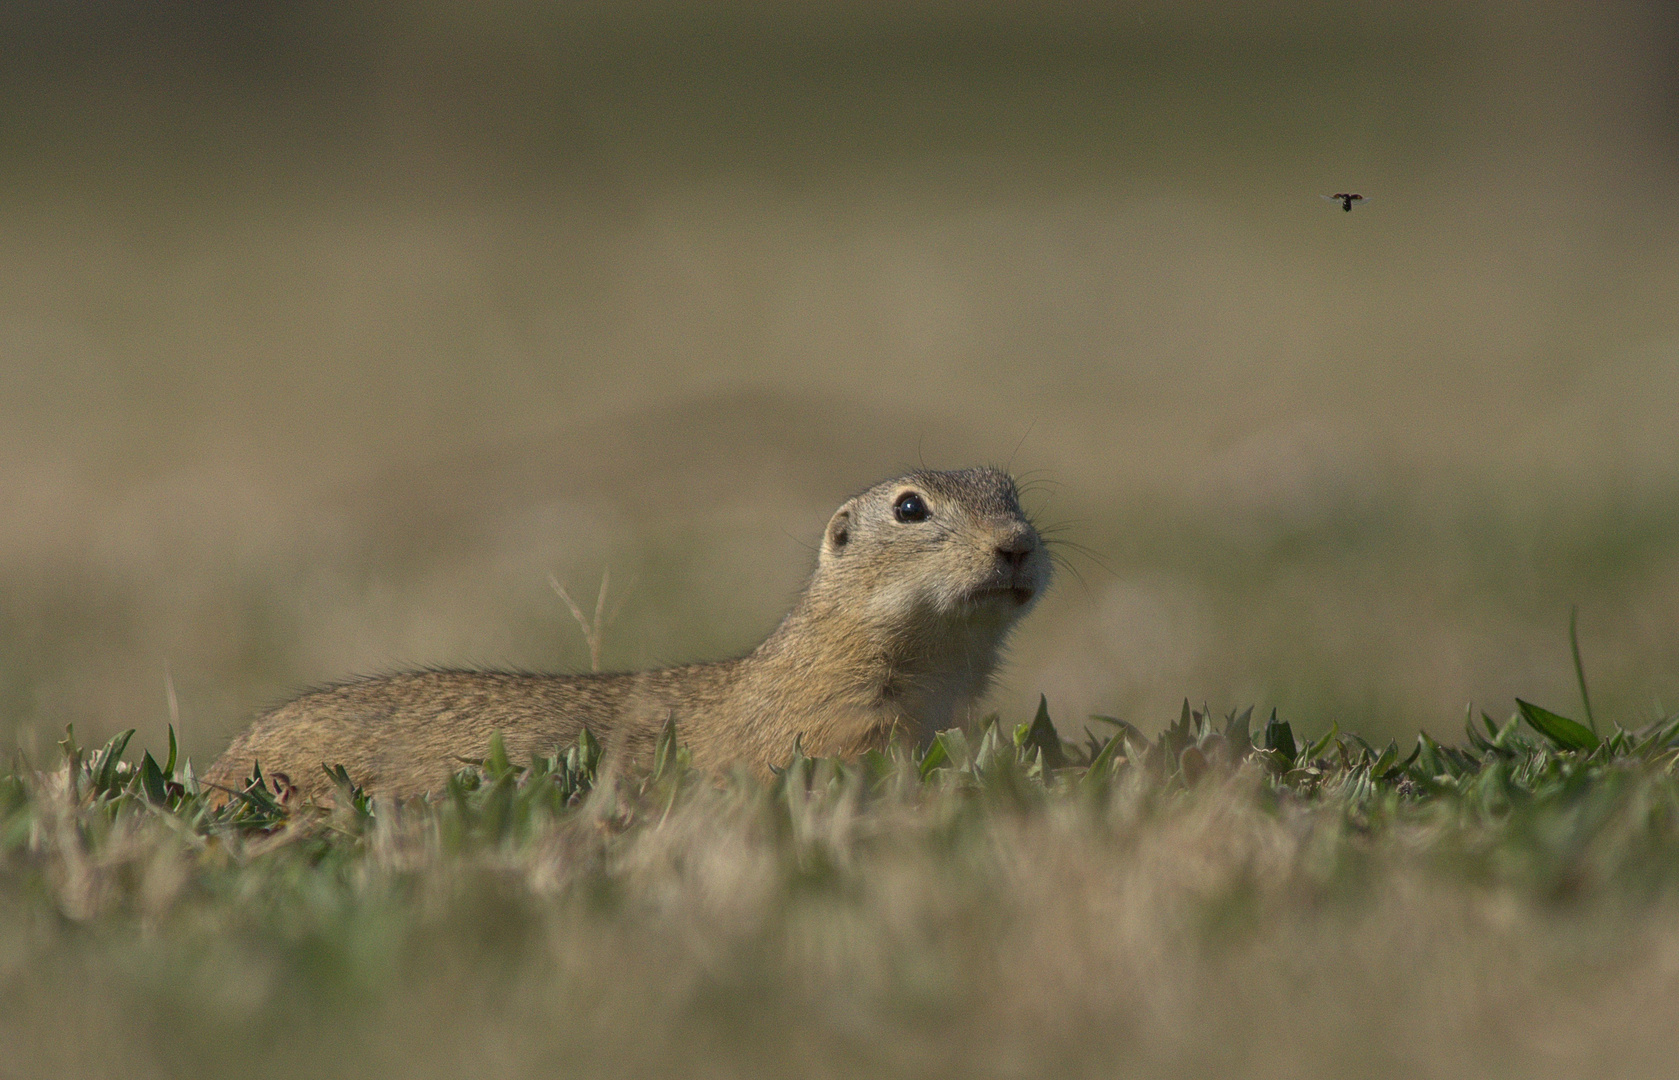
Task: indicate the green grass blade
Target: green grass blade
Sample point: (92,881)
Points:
(151,781)
(1280,737)
(1101,766)
(1565,733)
(1043,736)
(106,762)
(1236,729)
(1315,751)
(932,759)
(1579,668)
(664,753)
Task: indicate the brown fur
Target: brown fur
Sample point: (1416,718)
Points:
(895,635)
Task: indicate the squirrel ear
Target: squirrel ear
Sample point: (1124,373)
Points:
(839,529)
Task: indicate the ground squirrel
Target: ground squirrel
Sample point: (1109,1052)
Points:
(917,583)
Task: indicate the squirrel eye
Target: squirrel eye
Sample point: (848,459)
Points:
(910,507)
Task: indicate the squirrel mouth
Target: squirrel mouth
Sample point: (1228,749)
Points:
(1020,595)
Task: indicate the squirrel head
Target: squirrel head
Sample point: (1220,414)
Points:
(935,549)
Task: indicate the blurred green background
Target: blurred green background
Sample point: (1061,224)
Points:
(328,331)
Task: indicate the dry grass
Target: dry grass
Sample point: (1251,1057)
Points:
(1509,915)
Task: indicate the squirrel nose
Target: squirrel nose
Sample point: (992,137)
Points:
(1016,550)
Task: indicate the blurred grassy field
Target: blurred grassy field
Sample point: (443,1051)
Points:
(1224,899)
(328,332)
